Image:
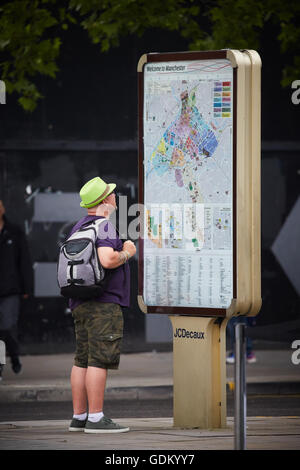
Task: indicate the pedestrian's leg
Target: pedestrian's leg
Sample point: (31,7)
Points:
(249,340)
(249,346)
(3,334)
(12,309)
(231,330)
(79,395)
(251,358)
(95,387)
(12,344)
(12,347)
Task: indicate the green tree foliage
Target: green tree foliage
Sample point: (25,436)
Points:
(239,24)
(26,49)
(31,31)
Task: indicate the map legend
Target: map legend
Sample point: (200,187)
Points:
(222,99)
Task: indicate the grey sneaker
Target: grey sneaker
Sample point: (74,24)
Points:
(105,425)
(77,425)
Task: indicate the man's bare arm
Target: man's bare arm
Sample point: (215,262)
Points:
(110,259)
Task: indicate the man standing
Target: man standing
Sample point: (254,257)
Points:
(16,280)
(99,322)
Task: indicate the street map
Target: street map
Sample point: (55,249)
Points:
(187,120)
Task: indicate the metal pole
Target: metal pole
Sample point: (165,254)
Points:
(240,387)
(2,353)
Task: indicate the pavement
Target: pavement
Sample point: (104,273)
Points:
(143,376)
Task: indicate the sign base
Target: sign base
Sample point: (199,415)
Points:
(199,372)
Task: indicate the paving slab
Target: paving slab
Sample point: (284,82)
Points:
(152,434)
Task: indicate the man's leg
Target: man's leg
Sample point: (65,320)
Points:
(79,395)
(95,387)
(79,369)
(88,384)
(105,332)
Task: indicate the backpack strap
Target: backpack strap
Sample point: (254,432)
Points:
(93,224)
(97,224)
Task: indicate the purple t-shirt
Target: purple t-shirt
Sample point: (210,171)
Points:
(117,290)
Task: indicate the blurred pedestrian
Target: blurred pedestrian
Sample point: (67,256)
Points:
(99,321)
(16,282)
(247,321)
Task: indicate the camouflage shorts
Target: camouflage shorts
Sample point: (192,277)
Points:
(99,331)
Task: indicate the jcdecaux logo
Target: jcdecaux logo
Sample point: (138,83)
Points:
(183,333)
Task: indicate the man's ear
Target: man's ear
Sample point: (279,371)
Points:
(99,208)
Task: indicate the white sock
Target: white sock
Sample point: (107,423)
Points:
(81,417)
(95,417)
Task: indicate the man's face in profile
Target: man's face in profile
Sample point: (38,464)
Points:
(110,204)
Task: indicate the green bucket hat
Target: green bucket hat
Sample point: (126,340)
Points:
(95,191)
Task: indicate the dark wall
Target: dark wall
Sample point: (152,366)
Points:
(94,96)
(87,125)
(47,320)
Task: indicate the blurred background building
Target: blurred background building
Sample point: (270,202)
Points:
(86,125)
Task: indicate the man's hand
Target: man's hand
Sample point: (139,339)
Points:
(129,246)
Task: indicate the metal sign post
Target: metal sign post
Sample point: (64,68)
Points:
(240,388)
(199,190)
(2,353)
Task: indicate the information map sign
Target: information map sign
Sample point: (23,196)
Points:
(187,131)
